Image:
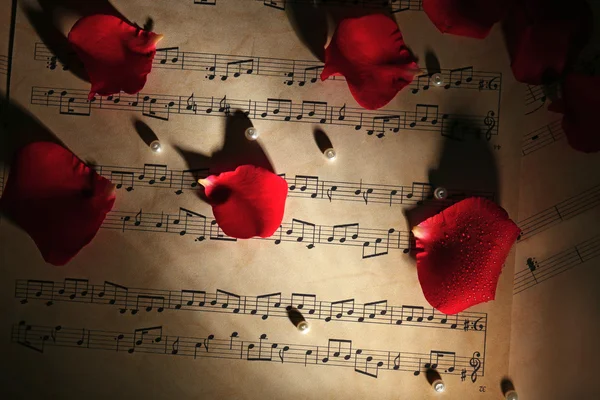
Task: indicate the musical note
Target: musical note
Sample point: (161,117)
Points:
(314,72)
(340,307)
(192,219)
(426,113)
(74,105)
(163,54)
(304,182)
(282,353)
(441,355)
(190,302)
(318,108)
(425,78)
(216,233)
(337,348)
(466,71)
(239,64)
(342,113)
(40,288)
(368,360)
(191,104)
(300,304)
(354,228)
(339,352)
(259,355)
(117,293)
(224,107)
(377,242)
(152,172)
(420,191)
(140,337)
(175,346)
(275,297)
(412,310)
(121,178)
(379,125)
(276,106)
(225,302)
(301,236)
(71,285)
(159,299)
(370,309)
(397,362)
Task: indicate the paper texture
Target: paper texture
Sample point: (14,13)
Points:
(556,300)
(165,309)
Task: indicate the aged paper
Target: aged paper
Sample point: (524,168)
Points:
(555,306)
(162,304)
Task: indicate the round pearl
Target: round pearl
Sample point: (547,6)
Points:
(155,146)
(439,386)
(251,133)
(512,395)
(440,193)
(437,79)
(330,154)
(303,327)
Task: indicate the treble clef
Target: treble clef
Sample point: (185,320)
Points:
(490,123)
(475,362)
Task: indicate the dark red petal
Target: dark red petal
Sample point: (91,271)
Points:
(544,36)
(579,104)
(116,55)
(247,202)
(370,52)
(471,18)
(465,247)
(57,199)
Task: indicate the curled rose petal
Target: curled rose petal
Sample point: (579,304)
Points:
(117,56)
(579,104)
(465,247)
(471,18)
(544,36)
(57,199)
(370,53)
(247,202)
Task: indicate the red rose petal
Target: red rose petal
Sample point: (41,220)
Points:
(579,104)
(247,202)
(471,18)
(465,247)
(370,52)
(544,36)
(116,55)
(57,199)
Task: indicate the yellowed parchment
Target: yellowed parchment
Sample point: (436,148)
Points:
(472,357)
(555,309)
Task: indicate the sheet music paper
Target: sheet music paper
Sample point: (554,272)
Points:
(555,296)
(194,313)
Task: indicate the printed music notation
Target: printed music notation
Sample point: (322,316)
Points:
(542,137)
(267,305)
(224,67)
(3,64)
(302,186)
(539,271)
(394,6)
(337,352)
(425,117)
(535,98)
(374,242)
(564,210)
